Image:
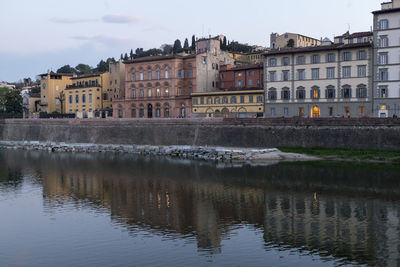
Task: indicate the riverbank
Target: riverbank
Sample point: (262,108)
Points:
(222,154)
(360,155)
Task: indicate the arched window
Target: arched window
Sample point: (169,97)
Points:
(217,100)
(233,99)
(183,113)
(166,110)
(133,111)
(300,93)
(361,91)
(225,100)
(133,93)
(272,95)
(330,92)
(120,112)
(158,111)
(315,93)
(346,92)
(285,93)
(141,111)
(209,100)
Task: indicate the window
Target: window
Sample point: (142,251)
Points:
(105,96)
(383,58)
(272,95)
(351,41)
(315,74)
(70,99)
(362,111)
(222,85)
(141,93)
(233,99)
(383,24)
(315,59)
(225,100)
(133,111)
(347,56)
(259,99)
(158,92)
(251,99)
(201,100)
(285,61)
(133,93)
(166,74)
(383,41)
(301,112)
(149,75)
(301,60)
(190,73)
(285,112)
(346,72)
(330,92)
(285,94)
(330,73)
(217,100)
(239,83)
(166,92)
(157,74)
(141,111)
(242,99)
(300,75)
(141,76)
(133,77)
(331,57)
(272,62)
(346,92)
(273,112)
(315,93)
(166,111)
(90,98)
(272,76)
(181,74)
(362,55)
(301,93)
(383,92)
(362,71)
(83,98)
(383,75)
(77,99)
(285,75)
(361,92)
(195,101)
(149,92)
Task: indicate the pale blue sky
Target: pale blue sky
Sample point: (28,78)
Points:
(37,35)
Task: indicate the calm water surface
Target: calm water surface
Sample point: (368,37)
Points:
(124,210)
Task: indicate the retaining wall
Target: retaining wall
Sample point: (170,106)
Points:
(248,133)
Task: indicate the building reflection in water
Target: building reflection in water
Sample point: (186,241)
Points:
(346,212)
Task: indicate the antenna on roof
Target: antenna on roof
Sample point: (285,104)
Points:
(348,28)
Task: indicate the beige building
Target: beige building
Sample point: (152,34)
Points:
(89,95)
(322,81)
(117,80)
(52,86)
(291,40)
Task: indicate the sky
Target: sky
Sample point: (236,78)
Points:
(41,35)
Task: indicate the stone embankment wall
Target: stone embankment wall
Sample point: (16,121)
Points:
(246,133)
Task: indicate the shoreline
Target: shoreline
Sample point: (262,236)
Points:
(219,154)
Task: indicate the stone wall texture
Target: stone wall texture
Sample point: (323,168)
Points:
(247,133)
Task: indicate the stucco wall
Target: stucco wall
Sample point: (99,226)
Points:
(261,133)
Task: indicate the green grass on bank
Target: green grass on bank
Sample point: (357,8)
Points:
(354,154)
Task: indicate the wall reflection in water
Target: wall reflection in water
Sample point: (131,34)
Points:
(342,211)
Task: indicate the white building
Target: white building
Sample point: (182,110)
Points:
(387,60)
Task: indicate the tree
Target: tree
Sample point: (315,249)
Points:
(221,44)
(193,47)
(290,43)
(186,45)
(13,102)
(3,92)
(166,49)
(122,56)
(66,69)
(177,46)
(224,45)
(131,54)
(126,56)
(83,69)
(61,98)
(102,66)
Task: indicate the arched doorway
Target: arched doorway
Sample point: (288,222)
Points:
(315,112)
(150,111)
(225,112)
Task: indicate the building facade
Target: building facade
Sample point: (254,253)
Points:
(291,40)
(229,104)
(117,80)
(52,86)
(329,80)
(386,60)
(241,77)
(89,96)
(161,86)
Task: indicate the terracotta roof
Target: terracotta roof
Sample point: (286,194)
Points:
(54,73)
(316,48)
(245,67)
(355,35)
(86,76)
(157,58)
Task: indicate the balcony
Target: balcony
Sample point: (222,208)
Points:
(82,86)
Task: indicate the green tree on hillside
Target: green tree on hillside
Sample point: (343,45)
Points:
(193,47)
(83,69)
(67,69)
(13,102)
(177,46)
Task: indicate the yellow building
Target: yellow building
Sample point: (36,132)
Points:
(52,86)
(233,104)
(247,58)
(292,40)
(89,94)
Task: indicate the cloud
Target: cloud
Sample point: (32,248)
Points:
(120,19)
(71,20)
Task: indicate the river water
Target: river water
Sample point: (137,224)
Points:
(124,210)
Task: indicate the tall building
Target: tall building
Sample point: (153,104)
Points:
(117,80)
(291,40)
(89,95)
(319,81)
(387,60)
(52,86)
